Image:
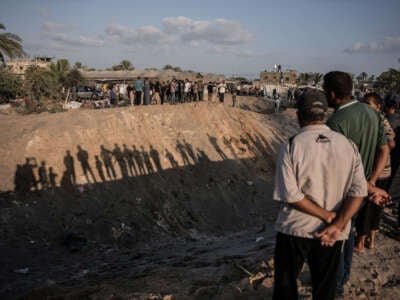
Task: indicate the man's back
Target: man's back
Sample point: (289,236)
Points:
(322,165)
(360,123)
(138,85)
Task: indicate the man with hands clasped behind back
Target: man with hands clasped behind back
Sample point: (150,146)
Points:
(320,183)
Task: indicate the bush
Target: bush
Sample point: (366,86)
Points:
(10,86)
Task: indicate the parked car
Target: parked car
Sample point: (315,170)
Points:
(86,93)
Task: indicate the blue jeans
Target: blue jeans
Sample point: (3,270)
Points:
(173,98)
(345,261)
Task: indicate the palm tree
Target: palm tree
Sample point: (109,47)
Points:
(126,65)
(60,70)
(10,45)
(363,76)
(317,78)
(304,78)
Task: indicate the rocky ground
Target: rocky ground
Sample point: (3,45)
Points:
(187,215)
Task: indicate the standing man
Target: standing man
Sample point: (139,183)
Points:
(277,104)
(210,91)
(131,94)
(234,93)
(319,180)
(221,91)
(146,97)
(361,124)
(187,89)
(172,90)
(394,121)
(138,89)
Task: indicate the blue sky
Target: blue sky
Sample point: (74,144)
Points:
(229,37)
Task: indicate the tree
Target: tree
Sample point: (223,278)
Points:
(117,68)
(10,86)
(304,78)
(60,70)
(10,45)
(389,81)
(168,67)
(40,83)
(177,69)
(78,65)
(126,65)
(74,78)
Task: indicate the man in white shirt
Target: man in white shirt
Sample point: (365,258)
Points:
(187,88)
(320,182)
(221,91)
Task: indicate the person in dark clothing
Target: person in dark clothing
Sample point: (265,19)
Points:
(210,91)
(361,124)
(138,90)
(394,120)
(146,98)
(112,96)
(367,222)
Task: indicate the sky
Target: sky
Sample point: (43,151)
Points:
(235,38)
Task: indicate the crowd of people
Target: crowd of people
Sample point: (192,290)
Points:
(146,92)
(332,180)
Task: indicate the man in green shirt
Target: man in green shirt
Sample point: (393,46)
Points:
(360,123)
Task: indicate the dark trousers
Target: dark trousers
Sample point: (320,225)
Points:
(221,97)
(290,254)
(138,98)
(345,262)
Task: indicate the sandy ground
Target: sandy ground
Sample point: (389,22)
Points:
(195,222)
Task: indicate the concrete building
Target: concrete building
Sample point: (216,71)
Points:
(286,77)
(19,66)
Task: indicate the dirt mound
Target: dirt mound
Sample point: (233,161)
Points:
(129,178)
(165,137)
(159,166)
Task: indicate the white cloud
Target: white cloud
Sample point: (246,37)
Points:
(176,25)
(232,51)
(53,26)
(80,40)
(183,29)
(143,34)
(61,33)
(218,31)
(390,44)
